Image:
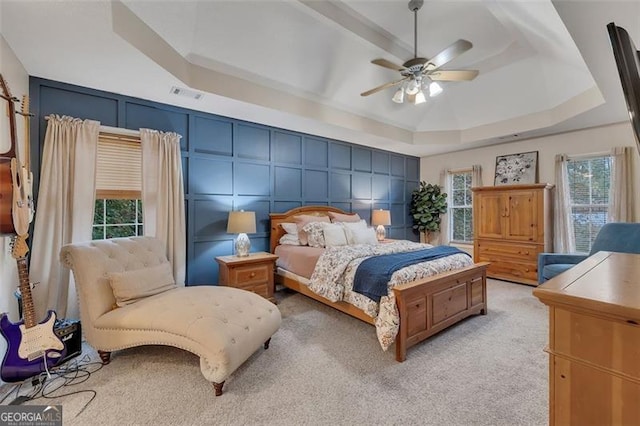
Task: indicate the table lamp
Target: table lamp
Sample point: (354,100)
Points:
(381,218)
(242,223)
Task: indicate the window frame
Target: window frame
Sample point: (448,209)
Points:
(450,207)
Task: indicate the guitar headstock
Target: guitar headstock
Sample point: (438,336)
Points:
(19,247)
(24,110)
(5,87)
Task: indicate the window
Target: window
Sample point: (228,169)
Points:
(118,206)
(460,207)
(589,182)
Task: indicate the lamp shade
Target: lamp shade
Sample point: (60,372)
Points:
(241,221)
(381,217)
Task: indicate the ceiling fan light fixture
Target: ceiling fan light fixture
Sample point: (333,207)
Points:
(413,87)
(398,97)
(419,98)
(434,89)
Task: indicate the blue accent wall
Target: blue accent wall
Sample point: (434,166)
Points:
(231,164)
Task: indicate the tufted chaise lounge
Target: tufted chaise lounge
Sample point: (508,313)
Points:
(222,325)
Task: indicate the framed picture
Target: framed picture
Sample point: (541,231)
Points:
(514,169)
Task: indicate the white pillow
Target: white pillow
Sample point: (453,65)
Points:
(289,240)
(290,228)
(364,236)
(334,235)
(349,227)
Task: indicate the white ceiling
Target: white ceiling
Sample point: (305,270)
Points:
(545,67)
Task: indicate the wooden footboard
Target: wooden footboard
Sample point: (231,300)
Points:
(430,305)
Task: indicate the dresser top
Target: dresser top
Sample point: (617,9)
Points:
(606,282)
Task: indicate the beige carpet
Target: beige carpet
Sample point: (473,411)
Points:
(324,367)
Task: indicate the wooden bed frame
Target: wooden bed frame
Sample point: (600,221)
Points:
(426,306)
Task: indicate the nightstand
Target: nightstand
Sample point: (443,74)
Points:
(253,273)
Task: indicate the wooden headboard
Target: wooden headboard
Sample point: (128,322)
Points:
(278,218)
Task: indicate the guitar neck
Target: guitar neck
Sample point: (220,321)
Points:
(28,309)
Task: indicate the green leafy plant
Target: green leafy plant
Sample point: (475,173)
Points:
(427,204)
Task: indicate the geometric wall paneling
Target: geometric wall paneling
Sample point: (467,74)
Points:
(397,190)
(316,185)
(262,209)
(283,206)
(362,159)
(380,187)
(340,156)
(342,206)
(210,217)
(382,206)
(210,176)
(361,186)
(397,166)
(316,152)
(142,116)
(413,169)
(287,148)
(77,105)
(380,162)
(288,183)
(340,186)
(212,136)
(203,268)
(251,179)
(252,142)
(230,164)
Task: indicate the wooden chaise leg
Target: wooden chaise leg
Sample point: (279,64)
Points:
(105,357)
(218,388)
(266,344)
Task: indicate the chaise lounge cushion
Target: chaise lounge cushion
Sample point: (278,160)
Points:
(131,286)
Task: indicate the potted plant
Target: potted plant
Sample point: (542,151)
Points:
(427,204)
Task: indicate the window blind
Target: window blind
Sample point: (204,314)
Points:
(119,167)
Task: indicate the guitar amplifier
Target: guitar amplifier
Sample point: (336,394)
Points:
(70,332)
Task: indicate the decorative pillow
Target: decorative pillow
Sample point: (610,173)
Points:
(289,239)
(349,227)
(302,219)
(334,235)
(130,286)
(315,235)
(364,236)
(339,217)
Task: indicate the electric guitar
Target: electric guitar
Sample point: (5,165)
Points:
(25,178)
(29,345)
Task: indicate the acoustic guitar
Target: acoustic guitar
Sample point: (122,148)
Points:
(31,347)
(6,186)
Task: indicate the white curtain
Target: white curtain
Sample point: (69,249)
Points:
(64,210)
(163,195)
(621,190)
(564,239)
(476,175)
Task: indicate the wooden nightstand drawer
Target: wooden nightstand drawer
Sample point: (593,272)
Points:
(251,274)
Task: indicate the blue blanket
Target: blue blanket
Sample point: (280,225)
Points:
(374,273)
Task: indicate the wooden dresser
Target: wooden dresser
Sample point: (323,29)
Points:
(594,341)
(253,273)
(512,224)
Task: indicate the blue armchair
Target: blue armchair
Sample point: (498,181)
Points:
(618,237)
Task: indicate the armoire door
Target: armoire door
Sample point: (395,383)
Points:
(522,216)
(490,211)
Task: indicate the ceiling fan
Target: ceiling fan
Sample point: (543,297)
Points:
(422,73)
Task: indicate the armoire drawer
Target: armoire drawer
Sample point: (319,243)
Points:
(494,250)
(513,270)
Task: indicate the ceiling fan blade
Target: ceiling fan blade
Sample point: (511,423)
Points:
(448,54)
(462,75)
(382,87)
(388,64)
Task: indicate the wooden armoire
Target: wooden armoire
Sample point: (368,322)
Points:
(511,225)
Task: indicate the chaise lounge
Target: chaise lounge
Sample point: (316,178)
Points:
(117,282)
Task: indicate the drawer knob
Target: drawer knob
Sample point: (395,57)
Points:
(251,275)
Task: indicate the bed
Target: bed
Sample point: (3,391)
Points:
(424,306)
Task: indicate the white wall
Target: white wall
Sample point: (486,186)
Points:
(594,140)
(18,81)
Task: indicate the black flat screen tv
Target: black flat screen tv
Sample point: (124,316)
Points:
(628,61)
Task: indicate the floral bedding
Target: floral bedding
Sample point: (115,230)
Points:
(334,272)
